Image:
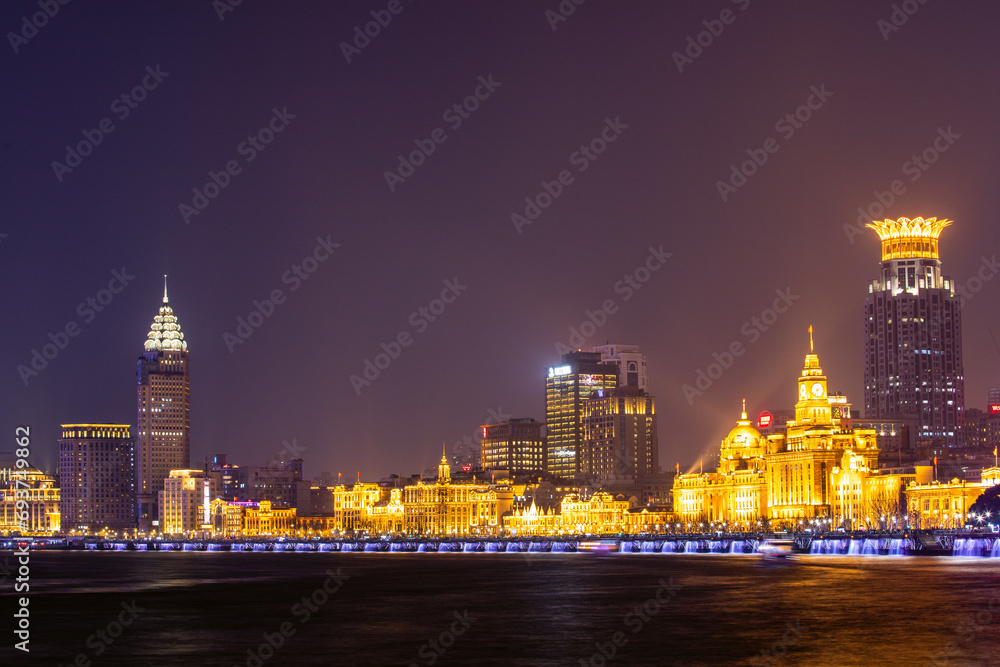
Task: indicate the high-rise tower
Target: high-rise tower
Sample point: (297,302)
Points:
(913,334)
(163,438)
(567,387)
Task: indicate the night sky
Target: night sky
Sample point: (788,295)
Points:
(880,96)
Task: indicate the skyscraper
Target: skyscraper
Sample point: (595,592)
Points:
(619,433)
(913,334)
(163,440)
(567,387)
(97,473)
(631,364)
(513,445)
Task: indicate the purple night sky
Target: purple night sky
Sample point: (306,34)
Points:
(531,92)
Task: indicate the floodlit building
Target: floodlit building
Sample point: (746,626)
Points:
(619,433)
(163,438)
(186,500)
(630,361)
(946,504)
(913,334)
(39,491)
(97,475)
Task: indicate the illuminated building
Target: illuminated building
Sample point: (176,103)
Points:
(186,500)
(39,491)
(599,514)
(163,440)
(567,388)
(801,461)
(229,474)
(630,361)
(515,445)
(97,476)
(787,476)
(619,433)
(279,482)
(443,508)
(737,491)
(913,334)
(946,504)
(533,521)
(263,519)
(868,498)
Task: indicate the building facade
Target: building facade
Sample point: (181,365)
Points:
(567,389)
(186,500)
(515,445)
(619,433)
(913,334)
(40,513)
(630,361)
(97,476)
(163,440)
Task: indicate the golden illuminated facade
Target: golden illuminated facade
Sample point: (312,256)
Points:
(788,476)
(163,439)
(443,508)
(946,504)
(913,334)
(241,519)
(737,491)
(185,501)
(619,433)
(600,514)
(40,493)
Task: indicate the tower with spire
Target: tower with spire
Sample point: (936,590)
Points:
(163,438)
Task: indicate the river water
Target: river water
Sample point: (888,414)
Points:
(216,608)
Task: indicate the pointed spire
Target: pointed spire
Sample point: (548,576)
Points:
(165,288)
(811,349)
(743,417)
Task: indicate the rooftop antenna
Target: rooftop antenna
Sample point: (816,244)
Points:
(164,288)
(811,350)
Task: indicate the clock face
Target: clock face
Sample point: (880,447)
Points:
(803,391)
(817,389)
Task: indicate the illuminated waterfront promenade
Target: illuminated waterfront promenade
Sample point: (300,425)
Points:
(939,543)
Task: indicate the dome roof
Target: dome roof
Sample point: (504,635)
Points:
(744,434)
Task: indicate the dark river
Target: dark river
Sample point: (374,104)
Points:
(216,608)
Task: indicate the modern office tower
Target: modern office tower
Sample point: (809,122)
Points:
(913,334)
(567,387)
(185,501)
(619,433)
(515,445)
(631,364)
(97,475)
(163,440)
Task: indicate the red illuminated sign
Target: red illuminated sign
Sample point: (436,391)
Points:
(994,409)
(466,467)
(764,420)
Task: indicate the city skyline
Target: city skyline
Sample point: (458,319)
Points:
(643,244)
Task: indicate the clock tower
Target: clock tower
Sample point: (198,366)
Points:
(813,406)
